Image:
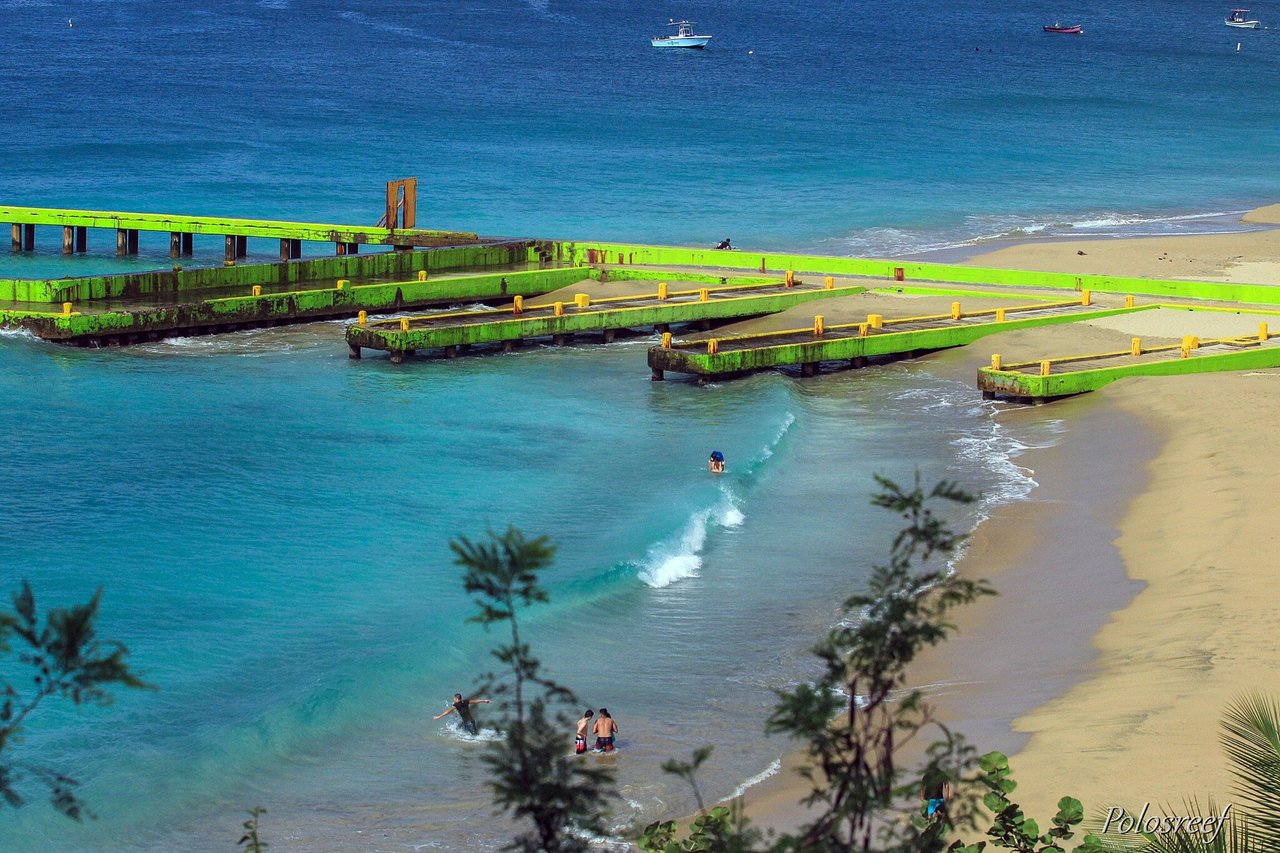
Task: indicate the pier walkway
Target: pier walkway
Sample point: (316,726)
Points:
(347,239)
(456,331)
(856,342)
(1049,378)
(112,322)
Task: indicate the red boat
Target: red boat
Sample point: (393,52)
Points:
(1058,28)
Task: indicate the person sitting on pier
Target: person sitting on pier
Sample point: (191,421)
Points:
(725,244)
(716,463)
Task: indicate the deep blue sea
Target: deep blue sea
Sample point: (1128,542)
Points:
(270,522)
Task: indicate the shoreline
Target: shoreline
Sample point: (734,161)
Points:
(1065,670)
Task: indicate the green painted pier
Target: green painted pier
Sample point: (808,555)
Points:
(347,239)
(855,343)
(1052,378)
(260,308)
(458,331)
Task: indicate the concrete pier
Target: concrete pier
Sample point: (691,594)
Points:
(905,337)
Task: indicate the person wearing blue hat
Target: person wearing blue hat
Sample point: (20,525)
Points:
(716,464)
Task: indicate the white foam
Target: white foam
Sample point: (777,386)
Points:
(787,421)
(454,731)
(17,332)
(771,770)
(681,556)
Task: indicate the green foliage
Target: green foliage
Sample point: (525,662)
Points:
(562,798)
(1251,738)
(250,840)
(1011,829)
(66,660)
(859,713)
(722,830)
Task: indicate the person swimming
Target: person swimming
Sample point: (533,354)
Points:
(716,463)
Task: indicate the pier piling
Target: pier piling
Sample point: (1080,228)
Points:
(82,238)
(17,238)
(28,238)
(68,239)
(175,244)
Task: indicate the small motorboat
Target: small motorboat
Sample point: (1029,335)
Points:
(684,36)
(1073,30)
(1239,19)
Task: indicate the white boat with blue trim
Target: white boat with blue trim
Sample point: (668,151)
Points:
(1239,19)
(684,36)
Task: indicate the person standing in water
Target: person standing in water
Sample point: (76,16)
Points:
(463,707)
(605,729)
(716,463)
(580,741)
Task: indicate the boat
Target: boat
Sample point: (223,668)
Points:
(1240,20)
(1072,30)
(684,36)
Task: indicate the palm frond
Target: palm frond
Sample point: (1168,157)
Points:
(1251,738)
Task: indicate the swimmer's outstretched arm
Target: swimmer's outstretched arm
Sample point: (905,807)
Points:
(446,713)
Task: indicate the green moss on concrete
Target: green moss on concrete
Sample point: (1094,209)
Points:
(294,306)
(693,358)
(278,274)
(625,253)
(1024,385)
(595,319)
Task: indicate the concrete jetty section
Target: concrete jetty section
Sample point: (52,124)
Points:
(685,288)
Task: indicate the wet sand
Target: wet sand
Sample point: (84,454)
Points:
(1136,578)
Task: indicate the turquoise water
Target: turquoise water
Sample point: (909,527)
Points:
(270,521)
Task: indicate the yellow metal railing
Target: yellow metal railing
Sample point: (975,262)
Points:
(582,301)
(1185,347)
(877,321)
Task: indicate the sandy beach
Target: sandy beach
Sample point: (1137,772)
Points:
(1135,579)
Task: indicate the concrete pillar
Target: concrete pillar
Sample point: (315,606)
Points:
(662,328)
(122,242)
(242,246)
(68,239)
(229,248)
(656,374)
(290,249)
(341,248)
(450,352)
(17,238)
(82,238)
(608,335)
(508,346)
(348,248)
(353,351)
(397,357)
(988,395)
(29,238)
(559,340)
(133,241)
(809,368)
(404,248)
(704,325)
(188,248)
(859,361)
(175,244)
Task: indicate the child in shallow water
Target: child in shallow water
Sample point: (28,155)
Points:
(716,463)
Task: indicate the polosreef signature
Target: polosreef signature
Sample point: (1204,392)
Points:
(1206,827)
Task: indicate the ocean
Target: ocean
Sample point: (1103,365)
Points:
(270,522)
